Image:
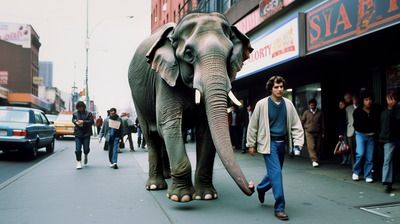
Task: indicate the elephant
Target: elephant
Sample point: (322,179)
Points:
(180,78)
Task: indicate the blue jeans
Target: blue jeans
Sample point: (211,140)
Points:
(79,142)
(139,138)
(113,149)
(273,178)
(364,154)
(387,169)
(244,137)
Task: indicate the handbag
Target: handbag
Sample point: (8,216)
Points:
(341,148)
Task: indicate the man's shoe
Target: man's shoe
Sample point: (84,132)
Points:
(85,160)
(315,164)
(387,187)
(115,166)
(355,177)
(369,180)
(132,150)
(112,165)
(261,196)
(281,215)
(243,151)
(79,165)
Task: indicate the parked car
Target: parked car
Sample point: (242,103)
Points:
(25,129)
(51,118)
(64,125)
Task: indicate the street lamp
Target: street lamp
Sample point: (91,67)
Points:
(87,47)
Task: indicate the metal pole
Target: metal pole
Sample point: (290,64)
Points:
(87,54)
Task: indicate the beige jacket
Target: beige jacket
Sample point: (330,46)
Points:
(258,132)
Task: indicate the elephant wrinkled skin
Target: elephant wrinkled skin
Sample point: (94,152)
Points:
(202,53)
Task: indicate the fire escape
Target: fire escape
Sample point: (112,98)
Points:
(205,6)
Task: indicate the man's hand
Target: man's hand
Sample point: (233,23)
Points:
(99,140)
(252,150)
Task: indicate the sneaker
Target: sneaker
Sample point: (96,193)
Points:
(132,150)
(115,166)
(79,165)
(85,159)
(355,177)
(112,165)
(315,164)
(369,180)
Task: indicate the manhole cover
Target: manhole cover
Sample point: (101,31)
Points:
(387,210)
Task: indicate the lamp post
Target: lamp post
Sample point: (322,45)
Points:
(87,48)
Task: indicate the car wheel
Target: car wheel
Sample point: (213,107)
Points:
(32,153)
(50,147)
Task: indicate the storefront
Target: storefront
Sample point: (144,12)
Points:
(343,46)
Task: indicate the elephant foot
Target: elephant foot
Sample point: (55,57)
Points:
(156,184)
(205,193)
(180,194)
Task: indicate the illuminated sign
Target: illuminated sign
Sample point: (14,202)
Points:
(336,21)
(275,47)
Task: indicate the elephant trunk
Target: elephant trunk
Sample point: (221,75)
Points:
(215,86)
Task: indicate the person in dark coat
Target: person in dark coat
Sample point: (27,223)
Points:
(83,121)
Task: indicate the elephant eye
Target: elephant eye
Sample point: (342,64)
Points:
(189,57)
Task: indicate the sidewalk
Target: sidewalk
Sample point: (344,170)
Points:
(53,191)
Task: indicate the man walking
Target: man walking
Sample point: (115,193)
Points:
(112,131)
(273,124)
(314,126)
(83,121)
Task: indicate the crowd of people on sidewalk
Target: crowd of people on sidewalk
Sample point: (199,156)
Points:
(116,130)
(270,128)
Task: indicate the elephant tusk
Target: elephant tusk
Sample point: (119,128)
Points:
(234,99)
(197,97)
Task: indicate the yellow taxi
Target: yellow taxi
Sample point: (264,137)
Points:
(64,125)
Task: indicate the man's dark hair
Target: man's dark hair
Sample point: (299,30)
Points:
(272,81)
(113,109)
(80,104)
(314,101)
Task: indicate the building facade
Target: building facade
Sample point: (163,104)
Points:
(323,48)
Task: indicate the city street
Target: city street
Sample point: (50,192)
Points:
(53,191)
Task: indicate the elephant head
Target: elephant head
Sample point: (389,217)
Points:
(206,53)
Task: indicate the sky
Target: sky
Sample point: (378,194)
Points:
(114,37)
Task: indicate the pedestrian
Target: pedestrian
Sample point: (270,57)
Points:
(112,132)
(314,126)
(246,115)
(83,121)
(140,139)
(350,132)
(126,131)
(234,126)
(274,124)
(99,123)
(105,147)
(348,98)
(341,129)
(390,137)
(366,123)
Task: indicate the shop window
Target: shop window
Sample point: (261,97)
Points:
(305,93)
(393,79)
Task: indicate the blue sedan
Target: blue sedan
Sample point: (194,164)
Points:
(26,130)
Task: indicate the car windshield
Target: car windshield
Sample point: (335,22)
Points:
(64,118)
(14,116)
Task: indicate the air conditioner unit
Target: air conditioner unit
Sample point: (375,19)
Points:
(164,8)
(155,19)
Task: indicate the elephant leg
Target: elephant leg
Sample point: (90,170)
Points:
(156,179)
(165,163)
(181,187)
(205,151)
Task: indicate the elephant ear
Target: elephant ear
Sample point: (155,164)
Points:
(240,53)
(161,56)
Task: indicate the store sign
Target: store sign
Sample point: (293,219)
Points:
(19,34)
(249,22)
(3,77)
(275,47)
(38,80)
(270,7)
(336,21)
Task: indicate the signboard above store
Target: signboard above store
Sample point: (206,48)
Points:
(336,21)
(279,45)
